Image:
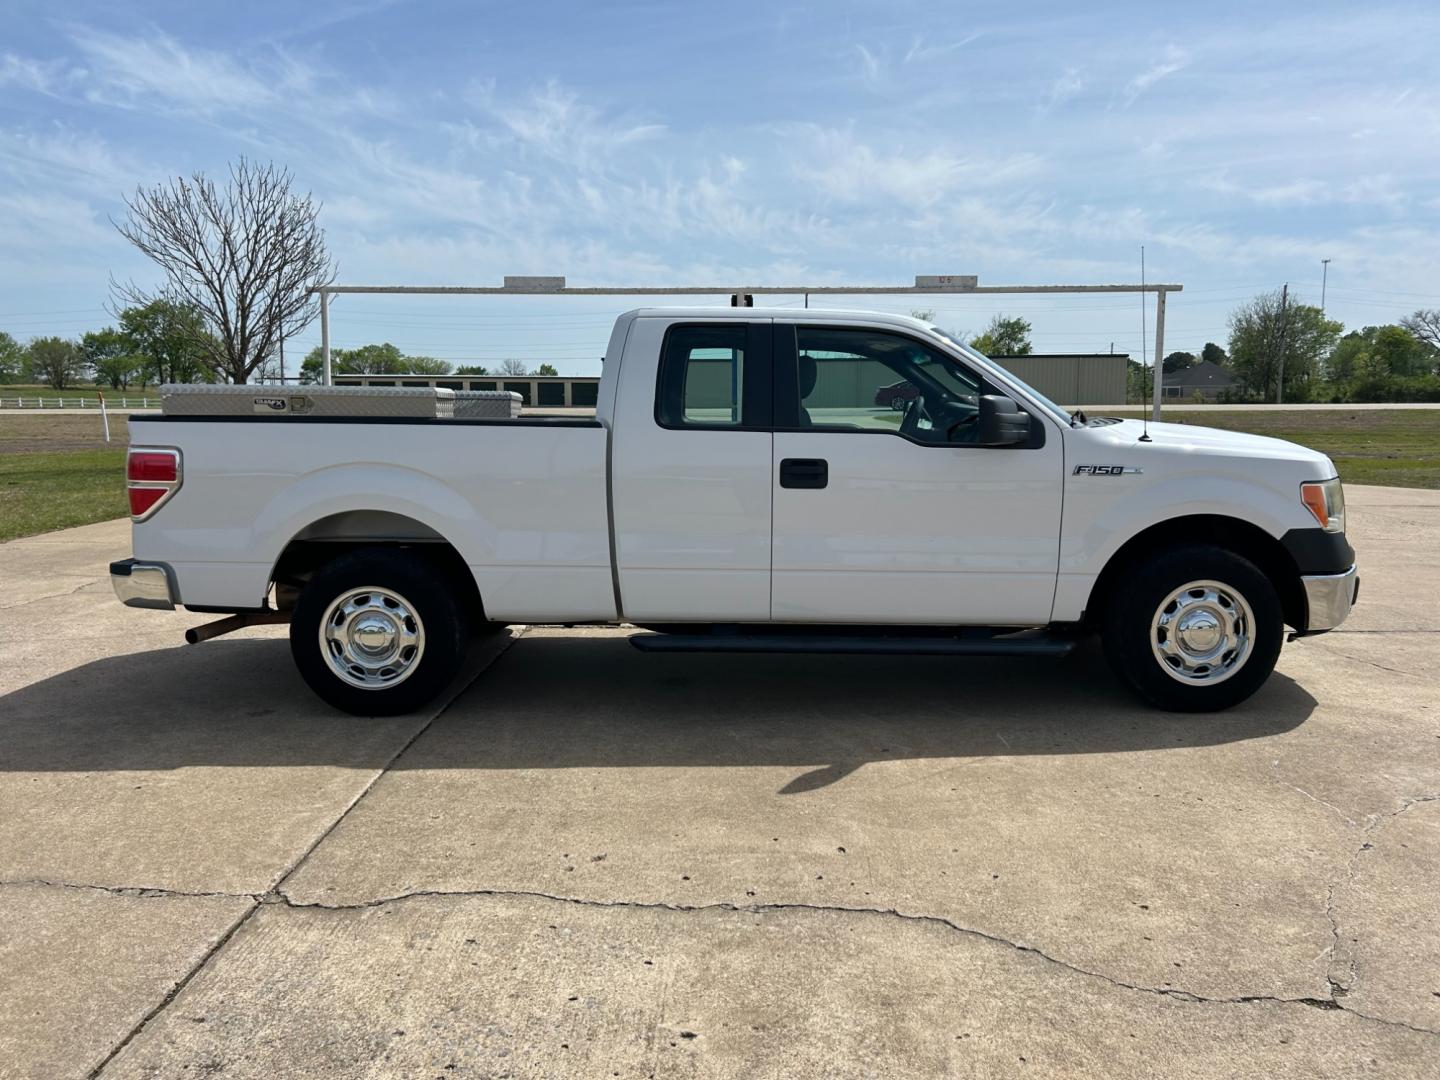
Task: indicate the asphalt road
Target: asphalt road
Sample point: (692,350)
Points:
(593,862)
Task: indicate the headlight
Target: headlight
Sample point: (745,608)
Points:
(1326,500)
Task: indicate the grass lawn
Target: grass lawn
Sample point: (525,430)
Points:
(1397,447)
(55,490)
(57,471)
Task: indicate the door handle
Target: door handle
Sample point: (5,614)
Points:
(798,472)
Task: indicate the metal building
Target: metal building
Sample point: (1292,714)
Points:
(1073,378)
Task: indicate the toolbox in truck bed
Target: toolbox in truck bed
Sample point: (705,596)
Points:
(357,401)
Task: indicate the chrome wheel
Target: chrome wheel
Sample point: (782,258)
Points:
(372,638)
(1202,633)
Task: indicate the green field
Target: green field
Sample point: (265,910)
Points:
(57,471)
(1395,447)
(56,490)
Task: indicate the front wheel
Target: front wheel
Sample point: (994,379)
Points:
(1194,629)
(377,632)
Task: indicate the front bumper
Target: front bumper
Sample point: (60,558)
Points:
(144,585)
(1329,598)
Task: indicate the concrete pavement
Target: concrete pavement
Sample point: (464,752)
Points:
(595,862)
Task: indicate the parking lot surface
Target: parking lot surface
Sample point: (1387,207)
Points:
(589,861)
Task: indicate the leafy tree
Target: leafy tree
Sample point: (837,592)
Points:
(246,256)
(546,369)
(1377,353)
(12,358)
(1179,361)
(924,315)
(513,367)
(55,361)
(111,356)
(382,359)
(1138,385)
(1004,337)
(1263,336)
(472,369)
(169,338)
(1395,351)
(1214,354)
(1345,360)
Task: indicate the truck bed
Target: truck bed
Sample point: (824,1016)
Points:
(522,500)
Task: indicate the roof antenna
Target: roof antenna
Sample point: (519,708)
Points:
(1144,416)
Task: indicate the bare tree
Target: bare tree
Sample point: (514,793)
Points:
(1425,325)
(244,256)
(513,367)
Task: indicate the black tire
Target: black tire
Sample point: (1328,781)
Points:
(1126,628)
(413,595)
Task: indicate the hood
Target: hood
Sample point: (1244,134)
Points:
(1213,441)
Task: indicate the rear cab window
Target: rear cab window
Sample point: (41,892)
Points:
(715,376)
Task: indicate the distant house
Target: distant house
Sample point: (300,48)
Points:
(1205,378)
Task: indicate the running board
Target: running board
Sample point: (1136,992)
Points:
(847,643)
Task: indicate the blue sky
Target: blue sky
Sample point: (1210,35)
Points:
(671,143)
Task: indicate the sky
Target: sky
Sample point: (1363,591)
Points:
(452,143)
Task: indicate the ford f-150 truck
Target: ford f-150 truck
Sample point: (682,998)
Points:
(740,489)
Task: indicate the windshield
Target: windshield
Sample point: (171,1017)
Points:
(967,350)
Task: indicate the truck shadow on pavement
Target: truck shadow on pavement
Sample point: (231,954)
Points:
(558,700)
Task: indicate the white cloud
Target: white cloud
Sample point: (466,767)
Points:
(921,50)
(42,77)
(870,68)
(841,166)
(1067,85)
(66,158)
(1376,190)
(553,121)
(154,70)
(1174,59)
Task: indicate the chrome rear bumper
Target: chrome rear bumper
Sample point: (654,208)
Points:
(1330,598)
(143,585)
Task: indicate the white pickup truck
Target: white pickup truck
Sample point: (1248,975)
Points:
(752,480)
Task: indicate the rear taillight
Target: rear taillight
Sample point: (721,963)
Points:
(152,475)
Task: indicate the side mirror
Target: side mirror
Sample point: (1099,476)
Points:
(1002,422)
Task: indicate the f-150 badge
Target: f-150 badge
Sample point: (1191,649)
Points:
(1104,470)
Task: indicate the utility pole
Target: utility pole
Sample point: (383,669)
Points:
(1324,276)
(1280,376)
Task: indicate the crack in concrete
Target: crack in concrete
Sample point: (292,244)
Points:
(1274,765)
(274,891)
(1372,663)
(147,892)
(50,596)
(1329,1004)
(1346,984)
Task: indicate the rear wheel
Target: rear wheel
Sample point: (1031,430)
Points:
(378,632)
(1194,629)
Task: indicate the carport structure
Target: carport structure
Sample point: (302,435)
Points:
(744,296)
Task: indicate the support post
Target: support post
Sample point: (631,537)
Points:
(1159,353)
(325,336)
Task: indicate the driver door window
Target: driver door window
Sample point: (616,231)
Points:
(870,380)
